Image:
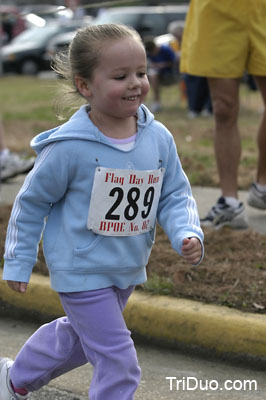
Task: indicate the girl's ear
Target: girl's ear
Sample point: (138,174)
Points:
(82,86)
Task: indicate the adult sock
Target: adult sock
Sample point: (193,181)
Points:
(4,154)
(232,202)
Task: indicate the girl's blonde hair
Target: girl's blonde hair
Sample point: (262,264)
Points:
(83,57)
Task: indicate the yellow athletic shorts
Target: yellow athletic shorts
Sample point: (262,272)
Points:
(224,38)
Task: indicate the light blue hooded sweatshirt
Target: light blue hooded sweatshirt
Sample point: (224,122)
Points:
(55,197)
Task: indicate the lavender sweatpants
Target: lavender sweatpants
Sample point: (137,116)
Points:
(93,330)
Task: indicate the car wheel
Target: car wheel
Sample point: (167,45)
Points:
(29,67)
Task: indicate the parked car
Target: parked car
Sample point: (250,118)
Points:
(27,53)
(46,11)
(147,20)
(59,43)
(41,14)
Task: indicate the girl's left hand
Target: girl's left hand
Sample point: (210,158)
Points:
(191,250)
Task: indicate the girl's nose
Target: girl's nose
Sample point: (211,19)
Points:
(134,82)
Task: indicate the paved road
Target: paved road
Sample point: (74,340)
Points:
(156,364)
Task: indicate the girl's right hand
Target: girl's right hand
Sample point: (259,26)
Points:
(20,287)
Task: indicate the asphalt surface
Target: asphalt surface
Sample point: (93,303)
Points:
(157,364)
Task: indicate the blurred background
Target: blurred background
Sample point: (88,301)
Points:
(31,32)
(29,29)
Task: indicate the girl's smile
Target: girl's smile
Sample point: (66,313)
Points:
(132,98)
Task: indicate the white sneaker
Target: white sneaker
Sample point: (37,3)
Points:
(206,113)
(256,198)
(192,114)
(13,165)
(6,391)
(222,214)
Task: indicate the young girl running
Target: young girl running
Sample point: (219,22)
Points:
(100,182)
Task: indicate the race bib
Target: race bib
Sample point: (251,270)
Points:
(124,202)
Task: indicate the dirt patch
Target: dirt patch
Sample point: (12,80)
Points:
(233,272)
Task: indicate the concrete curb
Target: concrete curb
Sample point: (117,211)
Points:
(176,322)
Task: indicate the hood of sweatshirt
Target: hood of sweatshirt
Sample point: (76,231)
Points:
(80,126)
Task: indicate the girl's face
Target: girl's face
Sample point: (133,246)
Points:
(119,83)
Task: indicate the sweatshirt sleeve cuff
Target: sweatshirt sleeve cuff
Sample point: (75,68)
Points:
(17,270)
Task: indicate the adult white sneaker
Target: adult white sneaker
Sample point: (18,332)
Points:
(256,198)
(13,165)
(6,391)
(222,214)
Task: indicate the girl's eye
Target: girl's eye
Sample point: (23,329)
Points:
(142,74)
(120,78)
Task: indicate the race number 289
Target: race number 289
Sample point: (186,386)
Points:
(124,202)
(132,208)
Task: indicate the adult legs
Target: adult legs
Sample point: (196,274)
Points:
(261,139)
(191,85)
(155,85)
(225,101)
(208,100)
(202,97)
(197,93)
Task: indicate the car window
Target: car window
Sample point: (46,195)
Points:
(152,24)
(42,35)
(146,21)
(36,35)
(175,17)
